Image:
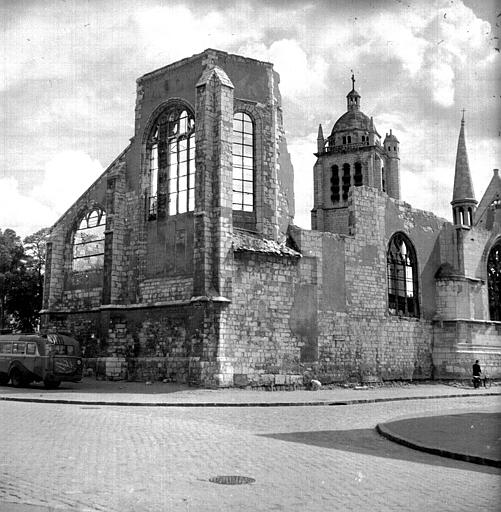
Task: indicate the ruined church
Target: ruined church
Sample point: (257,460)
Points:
(182,261)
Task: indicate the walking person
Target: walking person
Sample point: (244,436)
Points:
(477,371)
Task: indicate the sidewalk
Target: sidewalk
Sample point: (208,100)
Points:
(92,391)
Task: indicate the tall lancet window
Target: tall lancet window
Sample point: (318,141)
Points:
(494,281)
(402,277)
(243,162)
(171,156)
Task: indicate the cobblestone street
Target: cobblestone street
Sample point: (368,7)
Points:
(119,459)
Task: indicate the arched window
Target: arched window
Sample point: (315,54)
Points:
(171,148)
(402,277)
(243,162)
(358,174)
(346,180)
(335,192)
(494,281)
(88,242)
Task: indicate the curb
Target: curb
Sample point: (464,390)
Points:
(241,404)
(383,430)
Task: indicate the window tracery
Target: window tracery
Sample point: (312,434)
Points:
(171,148)
(243,162)
(402,277)
(494,281)
(88,242)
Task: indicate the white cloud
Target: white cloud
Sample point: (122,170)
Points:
(66,177)
(442,83)
(20,212)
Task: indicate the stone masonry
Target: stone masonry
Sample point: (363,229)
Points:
(180,284)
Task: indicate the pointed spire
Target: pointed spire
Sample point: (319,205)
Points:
(320,139)
(463,198)
(463,186)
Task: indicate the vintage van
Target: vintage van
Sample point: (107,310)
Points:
(50,358)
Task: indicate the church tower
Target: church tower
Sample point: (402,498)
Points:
(463,198)
(351,156)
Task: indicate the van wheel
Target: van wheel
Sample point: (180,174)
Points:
(16,378)
(51,384)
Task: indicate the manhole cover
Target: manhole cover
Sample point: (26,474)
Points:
(231,480)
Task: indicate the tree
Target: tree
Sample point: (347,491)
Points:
(21,279)
(35,247)
(11,259)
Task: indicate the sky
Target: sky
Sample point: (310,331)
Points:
(68,70)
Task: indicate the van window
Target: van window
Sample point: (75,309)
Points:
(31,348)
(6,348)
(18,348)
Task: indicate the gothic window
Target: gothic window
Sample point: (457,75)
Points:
(402,277)
(344,139)
(335,192)
(243,162)
(383,179)
(88,242)
(153,163)
(171,156)
(358,174)
(494,282)
(346,181)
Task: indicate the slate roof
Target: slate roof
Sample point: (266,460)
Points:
(463,186)
(243,241)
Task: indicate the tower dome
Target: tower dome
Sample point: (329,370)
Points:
(353,126)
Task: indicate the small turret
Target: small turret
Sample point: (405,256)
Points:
(353,98)
(391,144)
(392,171)
(463,198)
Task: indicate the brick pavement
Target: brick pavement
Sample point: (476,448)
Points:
(76,457)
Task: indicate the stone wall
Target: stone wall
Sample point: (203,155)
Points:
(458,344)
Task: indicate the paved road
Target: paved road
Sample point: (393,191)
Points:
(119,459)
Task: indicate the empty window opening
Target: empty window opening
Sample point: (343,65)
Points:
(349,139)
(402,277)
(494,282)
(172,163)
(88,242)
(335,190)
(461,216)
(243,162)
(346,181)
(358,174)
(383,179)
(152,196)
(344,139)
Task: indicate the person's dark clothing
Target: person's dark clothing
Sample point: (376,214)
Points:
(476,370)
